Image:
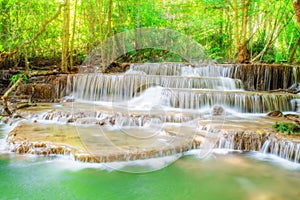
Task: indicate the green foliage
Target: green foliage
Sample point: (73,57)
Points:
(209,22)
(16,77)
(150,55)
(287,128)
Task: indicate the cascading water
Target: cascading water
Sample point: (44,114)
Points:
(167,103)
(252,141)
(150,94)
(122,87)
(289,150)
(185,87)
(263,77)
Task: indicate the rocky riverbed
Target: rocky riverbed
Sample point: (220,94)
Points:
(47,130)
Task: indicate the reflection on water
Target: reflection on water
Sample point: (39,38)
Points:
(231,176)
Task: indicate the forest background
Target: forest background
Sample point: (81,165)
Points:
(63,32)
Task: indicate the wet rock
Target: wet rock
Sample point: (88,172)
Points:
(67,99)
(42,89)
(87,121)
(5,120)
(39,145)
(101,123)
(218,110)
(71,120)
(294,87)
(292,117)
(117,67)
(112,121)
(85,157)
(275,113)
(197,140)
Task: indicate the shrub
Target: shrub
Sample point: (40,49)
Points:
(286,128)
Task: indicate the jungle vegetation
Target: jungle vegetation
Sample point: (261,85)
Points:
(65,31)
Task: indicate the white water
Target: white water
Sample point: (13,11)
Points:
(146,86)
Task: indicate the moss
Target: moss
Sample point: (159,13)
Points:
(287,128)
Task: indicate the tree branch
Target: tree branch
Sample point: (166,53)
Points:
(272,38)
(230,4)
(44,26)
(294,50)
(7,93)
(296,6)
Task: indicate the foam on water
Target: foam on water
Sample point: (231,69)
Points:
(262,157)
(148,100)
(284,163)
(5,130)
(62,162)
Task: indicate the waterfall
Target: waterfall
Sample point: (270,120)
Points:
(263,77)
(149,96)
(295,104)
(154,94)
(185,87)
(96,87)
(246,102)
(287,149)
(267,144)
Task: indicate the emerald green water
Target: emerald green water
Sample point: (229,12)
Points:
(231,176)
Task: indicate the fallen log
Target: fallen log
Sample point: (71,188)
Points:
(7,93)
(26,105)
(43,73)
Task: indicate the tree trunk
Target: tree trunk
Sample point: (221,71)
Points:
(101,20)
(240,34)
(294,50)
(242,53)
(109,14)
(92,26)
(73,36)
(273,36)
(66,37)
(26,60)
(296,5)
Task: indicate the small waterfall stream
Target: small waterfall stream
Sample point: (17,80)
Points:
(252,141)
